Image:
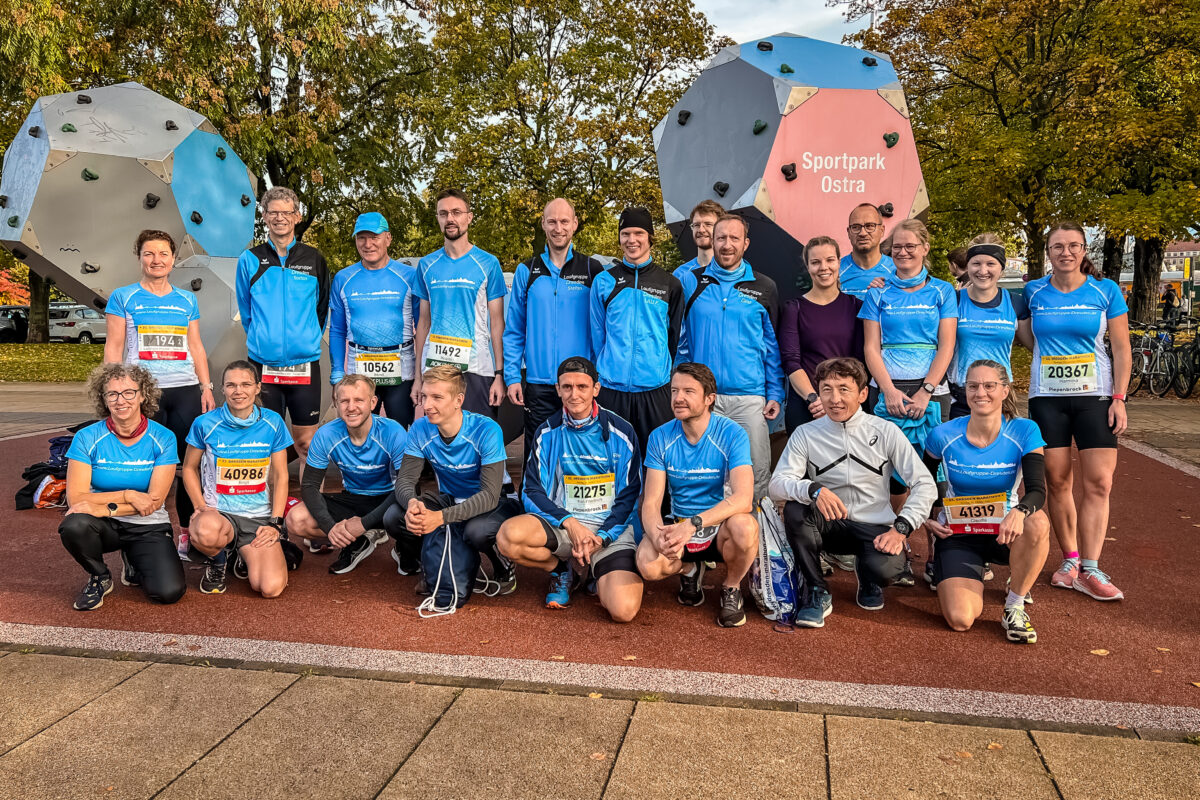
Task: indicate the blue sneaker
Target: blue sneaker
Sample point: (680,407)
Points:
(813,613)
(559,595)
(870,595)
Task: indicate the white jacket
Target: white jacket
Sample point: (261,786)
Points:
(855,459)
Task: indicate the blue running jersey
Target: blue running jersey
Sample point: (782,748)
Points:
(995,469)
(855,280)
(458,464)
(458,291)
(372,316)
(156,331)
(908,325)
(117,466)
(368,469)
(235,467)
(697,474)
(1069,356)
(985,332)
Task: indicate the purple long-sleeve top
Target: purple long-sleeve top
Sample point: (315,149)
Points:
(811,333)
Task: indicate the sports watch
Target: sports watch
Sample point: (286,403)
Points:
(812,398)
(697,522)
(902,526)
(276,523)
(928,387)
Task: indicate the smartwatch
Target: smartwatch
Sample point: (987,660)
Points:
(697,522)
(276,523)
(929,388)
(902,526)
(1024,509)
(814,489)
(112,509)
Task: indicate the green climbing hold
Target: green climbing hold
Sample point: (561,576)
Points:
(221,153)
(759,126)
(890,139)
(68,128)
(13,221)
(88,175)
(785,69)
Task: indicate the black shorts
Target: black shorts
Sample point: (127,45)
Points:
(620,554)
(1078,417)
(645,411)
(958,401)
(963,556)
(396,401)
(476,398)
(344,505)
(302,402)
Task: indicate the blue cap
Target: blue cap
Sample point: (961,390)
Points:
(371,222)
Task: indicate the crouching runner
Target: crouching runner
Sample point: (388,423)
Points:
(582,481)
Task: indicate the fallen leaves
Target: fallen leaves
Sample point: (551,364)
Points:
(485,641)
(170,642)
(599,756)
(1099,652)
(1156,672)
(595,695)
(963,754)
(629,658)
(995,746)
(193,647)
(1163,649)
(1196,684)
(557,658)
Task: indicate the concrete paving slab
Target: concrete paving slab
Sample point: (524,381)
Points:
(492,744)
(295,746)
(1103,768)
(887,758)
(131,741)
(745,753)
(40,690)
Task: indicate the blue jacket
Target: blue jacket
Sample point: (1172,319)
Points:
(547,319)
(283,304)
(636,313)
(606,444)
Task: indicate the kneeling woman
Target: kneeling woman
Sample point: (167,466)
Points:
(119,471)
(985,455)
(235,471)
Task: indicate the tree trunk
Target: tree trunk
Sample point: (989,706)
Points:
(1035,252)
(1147,268)
(39,309)
(1114,257)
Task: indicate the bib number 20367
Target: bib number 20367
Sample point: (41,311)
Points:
(448,350)
(1069,374)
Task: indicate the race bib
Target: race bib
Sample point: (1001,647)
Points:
(590,494)
(1069,374)
(242,475)
(980,514)
(162,343)
(448,350)
(295,375)
(383,368)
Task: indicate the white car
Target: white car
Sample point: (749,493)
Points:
(76,324)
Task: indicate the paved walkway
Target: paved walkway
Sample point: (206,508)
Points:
(98,727)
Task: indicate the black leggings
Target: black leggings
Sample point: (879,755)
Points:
(810,533)
(397,402)
(149,549)
(177,410)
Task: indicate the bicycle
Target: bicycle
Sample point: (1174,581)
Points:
(1153,360)
(1187,362)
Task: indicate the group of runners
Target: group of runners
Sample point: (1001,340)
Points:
(647,400)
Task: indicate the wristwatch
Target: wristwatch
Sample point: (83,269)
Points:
(276,523)
(812,398)
(1024,509)
(928,387)
(697,522)
(902,526)
(813,489)
(112,509)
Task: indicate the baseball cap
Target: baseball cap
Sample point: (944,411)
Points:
(371,222)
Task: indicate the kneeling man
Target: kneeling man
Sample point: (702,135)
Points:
(582,480)
(704,458)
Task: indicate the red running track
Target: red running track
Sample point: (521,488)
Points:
(1152,556)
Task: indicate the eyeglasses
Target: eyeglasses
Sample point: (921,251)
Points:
(906,248)
(454,213)
(869,227)
(128,394)
(703,226)
(987,386)
(1074,248)
(278,214)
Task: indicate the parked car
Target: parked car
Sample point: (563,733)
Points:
(14,323)
(76,324)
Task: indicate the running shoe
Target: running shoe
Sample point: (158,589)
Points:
(129,575)
(1017,627)
(422,588)
(352,554)
(691,589)
(732,613)
(319,546)
(405,566)
(929,576)
(92,595)
(987,573)
(813,613)
(213,579)
(869,595)
(240,571)
(506,576)
(1067,572)
(843,562)
(379,535)
(559,595)
(906,577)
(1096,585)
(1028,595)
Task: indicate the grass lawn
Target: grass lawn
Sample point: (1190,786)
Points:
(60,363)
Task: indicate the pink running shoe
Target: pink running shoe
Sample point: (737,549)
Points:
(1066,575)
(1096,585)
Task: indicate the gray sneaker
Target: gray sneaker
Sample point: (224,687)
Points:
(93,594)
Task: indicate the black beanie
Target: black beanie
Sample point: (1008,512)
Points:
(636,217)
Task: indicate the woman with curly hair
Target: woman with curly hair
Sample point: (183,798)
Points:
(119,472)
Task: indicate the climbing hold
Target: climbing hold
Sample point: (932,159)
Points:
(197,283)
(891,138)
(34,131)
(82,99)
(13,221)
(789,171)
(68,128)
(3,201)
(151,200)
(887,210)
(870,62)
(245,200)
(196,218)
(89,268)
(720,187)
(785,69)
(19,254)
(684,116)
(759,126)
(221,153)
(88,175)
(171,126)
(766,47)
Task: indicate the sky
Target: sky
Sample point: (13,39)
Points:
(745,20)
